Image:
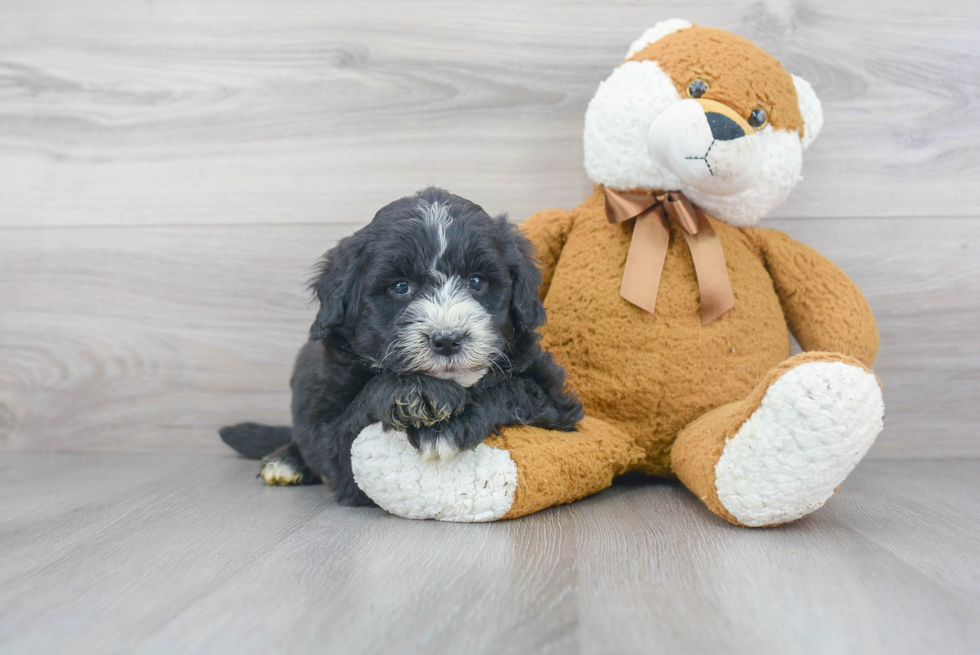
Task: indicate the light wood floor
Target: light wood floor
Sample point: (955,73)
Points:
(169,173)
(190,553)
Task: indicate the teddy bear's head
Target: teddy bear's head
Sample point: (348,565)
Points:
(705,112)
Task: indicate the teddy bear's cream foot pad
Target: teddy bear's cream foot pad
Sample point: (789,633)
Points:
(476,485)
(814,425)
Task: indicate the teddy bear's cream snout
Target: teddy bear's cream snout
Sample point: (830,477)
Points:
(707,145)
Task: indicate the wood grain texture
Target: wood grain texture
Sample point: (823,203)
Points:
(150,337)
(176,553)
(922,279)
(169,172)
(153,337)
(263,111)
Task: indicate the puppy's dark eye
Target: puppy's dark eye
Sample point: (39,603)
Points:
(400,288)
(758,118)
(696,88)
(477,283)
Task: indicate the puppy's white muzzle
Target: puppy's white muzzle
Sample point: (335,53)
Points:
(720,156)
(448,308)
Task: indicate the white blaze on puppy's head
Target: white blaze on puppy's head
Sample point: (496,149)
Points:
(437,218)
(705,112)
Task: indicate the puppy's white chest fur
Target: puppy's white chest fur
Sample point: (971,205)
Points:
(462,378)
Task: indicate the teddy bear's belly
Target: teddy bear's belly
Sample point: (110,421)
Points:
(650,375)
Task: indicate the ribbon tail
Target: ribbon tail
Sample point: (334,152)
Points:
(709,264)
(645,261)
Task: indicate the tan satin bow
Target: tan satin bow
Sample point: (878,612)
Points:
(648,249)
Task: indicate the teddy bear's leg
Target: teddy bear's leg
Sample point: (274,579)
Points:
(520,471)
(780,453)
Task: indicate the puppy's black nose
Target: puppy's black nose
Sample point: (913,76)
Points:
(447,343)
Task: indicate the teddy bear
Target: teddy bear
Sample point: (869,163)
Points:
(672,312)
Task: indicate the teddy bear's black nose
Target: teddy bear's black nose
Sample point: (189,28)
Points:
(447,343)
(723,128)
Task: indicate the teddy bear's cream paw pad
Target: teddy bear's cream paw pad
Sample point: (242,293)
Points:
(814,425)
(475,485)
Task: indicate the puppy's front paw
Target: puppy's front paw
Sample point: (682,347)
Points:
(423,401)
(443,440)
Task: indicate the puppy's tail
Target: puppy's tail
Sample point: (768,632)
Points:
(256,441)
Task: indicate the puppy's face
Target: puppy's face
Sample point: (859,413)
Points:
(436,296)
(432,286)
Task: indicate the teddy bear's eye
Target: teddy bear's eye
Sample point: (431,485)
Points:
(758,118)
(696,88)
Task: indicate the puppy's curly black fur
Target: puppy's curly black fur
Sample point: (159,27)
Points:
(427,324)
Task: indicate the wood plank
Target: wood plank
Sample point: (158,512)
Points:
(162,334)
(922,279)
(825,584)
(141,565)
(190,553)
(152,337)
(264,111)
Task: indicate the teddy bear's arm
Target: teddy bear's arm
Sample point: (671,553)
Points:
(547,230)
(824,308)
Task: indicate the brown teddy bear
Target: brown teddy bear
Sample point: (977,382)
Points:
(672,313)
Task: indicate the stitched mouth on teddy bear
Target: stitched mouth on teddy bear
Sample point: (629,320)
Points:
(707,146)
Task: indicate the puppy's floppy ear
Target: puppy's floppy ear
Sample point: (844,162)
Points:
(337,286)
(527,311)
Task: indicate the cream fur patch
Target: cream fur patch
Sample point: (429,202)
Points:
(782,161)
(617,154)
(474,486)
(810,109)
(616,125)
(681,140)
(814,425)
(657,32)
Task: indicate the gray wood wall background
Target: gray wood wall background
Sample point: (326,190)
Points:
(169,172)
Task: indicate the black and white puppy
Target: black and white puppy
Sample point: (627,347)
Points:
(427,324)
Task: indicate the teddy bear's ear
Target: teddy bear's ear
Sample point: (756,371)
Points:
(657,32)
(810,109)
